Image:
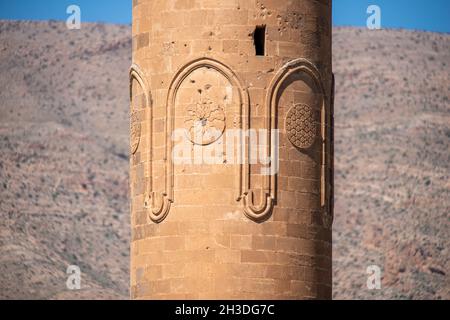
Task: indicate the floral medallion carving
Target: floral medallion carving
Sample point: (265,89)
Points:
(301,129)
(135,132)
(205,121)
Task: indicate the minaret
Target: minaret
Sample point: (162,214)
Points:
(231,149)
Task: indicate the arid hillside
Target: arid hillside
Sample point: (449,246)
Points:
(64,161)
(392,163)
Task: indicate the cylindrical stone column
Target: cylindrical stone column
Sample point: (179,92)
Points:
(231,149)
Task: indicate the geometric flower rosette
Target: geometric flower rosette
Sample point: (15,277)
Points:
(205,121)
(135,132)
(301,129)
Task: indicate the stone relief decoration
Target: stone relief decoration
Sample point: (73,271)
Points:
(136,91)
(205,122)
(300,127)
(300,123)
(156,203)
(206,113)
(207,107)
(135,131)
(203,110)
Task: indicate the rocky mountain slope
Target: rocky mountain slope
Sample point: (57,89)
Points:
(392,163)
(64,161)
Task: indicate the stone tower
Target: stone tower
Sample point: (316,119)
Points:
(231,149)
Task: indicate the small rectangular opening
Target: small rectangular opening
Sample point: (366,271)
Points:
(259,38)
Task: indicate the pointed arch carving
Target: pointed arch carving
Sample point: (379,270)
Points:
(241,109)
(292,67)
(135,129)
(156,204)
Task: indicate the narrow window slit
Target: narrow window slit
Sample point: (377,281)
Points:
(259,38)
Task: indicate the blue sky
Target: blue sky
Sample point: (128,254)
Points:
(431,15)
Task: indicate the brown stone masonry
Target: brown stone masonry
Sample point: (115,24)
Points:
(227,230)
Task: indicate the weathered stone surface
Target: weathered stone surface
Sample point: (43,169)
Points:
(226,229)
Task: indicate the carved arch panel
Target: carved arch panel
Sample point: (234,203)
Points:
(156,203)
(299,122)
(205,71)
(138,101)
